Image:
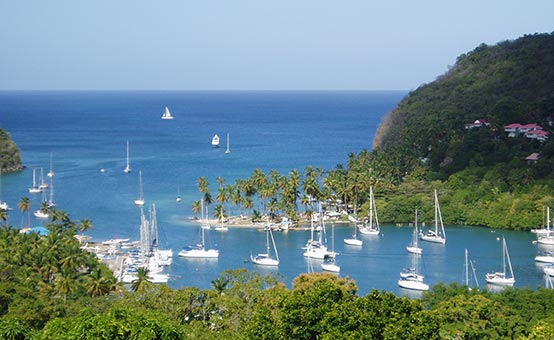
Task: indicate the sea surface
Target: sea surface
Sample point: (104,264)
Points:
(87,131)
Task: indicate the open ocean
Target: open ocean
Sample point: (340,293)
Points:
(87,131)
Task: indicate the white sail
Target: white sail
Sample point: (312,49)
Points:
(167,114)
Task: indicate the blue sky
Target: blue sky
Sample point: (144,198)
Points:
(249,44)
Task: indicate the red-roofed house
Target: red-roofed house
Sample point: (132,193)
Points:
(539,135)
(532,158)
(512,129)
(529,127)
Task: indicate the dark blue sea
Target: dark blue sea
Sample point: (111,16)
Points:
(87,131)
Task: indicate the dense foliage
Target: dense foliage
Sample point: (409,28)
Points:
(10,159)
(50,289)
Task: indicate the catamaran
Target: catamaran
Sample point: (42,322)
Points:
(501,278)
(437,235)
(167,114)
(316,248)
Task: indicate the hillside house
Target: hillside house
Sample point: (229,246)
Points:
(477,124)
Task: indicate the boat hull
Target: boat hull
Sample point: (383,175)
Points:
(330,267)
(353,242)
(413,285)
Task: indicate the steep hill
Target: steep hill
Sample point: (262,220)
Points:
(10,158)
(511,82)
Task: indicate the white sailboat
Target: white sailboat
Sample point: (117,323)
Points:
(468,263)
(371,227)
(413,247)
(215,141)
(329,264)
(437,235)
(43,185)
(140,200)
(265,259)
(35,188)
(502,278)
(411,278)
(354,241)
(546,257)
(178,199)
(167,114)
(228,151)
(199,250)
(128,166)
(547,230)
(316,248)
(51,202)
(51,172)
(205,222)
(3,205)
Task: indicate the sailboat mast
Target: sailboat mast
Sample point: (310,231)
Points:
(370,207)
(467,270)
(274,246)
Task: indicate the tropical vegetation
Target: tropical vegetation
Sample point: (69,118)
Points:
(10,158)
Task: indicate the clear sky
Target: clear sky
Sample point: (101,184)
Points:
(250,44)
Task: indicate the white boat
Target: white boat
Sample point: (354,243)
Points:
(3,205)
(411,278)
(178,199)
(547,230)
(502,278)
(413,284)
(329,262)
(468,263)
(140,200)
(546,257)
(371,227)
(316,248)
(167,114)
(199,250)
(265,259)
(35,188)
(437,235)
(42,186)
(128,166)
(228,151)
(413,247)
(51,202)
(41,214)
(354,241)
(51,172)
(546,240)
(215,141)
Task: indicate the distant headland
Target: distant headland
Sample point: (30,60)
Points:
(10,157)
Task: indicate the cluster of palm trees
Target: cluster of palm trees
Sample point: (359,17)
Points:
(276,194)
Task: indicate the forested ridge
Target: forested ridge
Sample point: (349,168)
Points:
(10,158)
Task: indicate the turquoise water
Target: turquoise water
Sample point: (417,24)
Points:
(87,131)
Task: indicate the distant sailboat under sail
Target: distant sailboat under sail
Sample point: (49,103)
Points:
(167,114)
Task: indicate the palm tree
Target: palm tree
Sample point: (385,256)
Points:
(219,212)
(196,207)
(85,225)
(3,215)
(220,285)
(98,284)
(25,206)
(140,281)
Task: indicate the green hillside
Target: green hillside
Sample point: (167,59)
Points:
(511,82)
(10,159)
